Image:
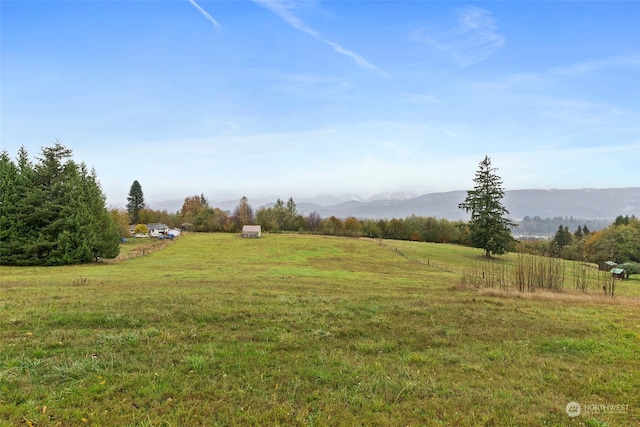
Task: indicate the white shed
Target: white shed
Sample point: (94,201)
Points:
(254,231)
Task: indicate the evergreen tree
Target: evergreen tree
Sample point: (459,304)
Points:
(562,238)
(135,202)
(621,220)
(19,221)
(578,233)
(489,229)
(105,233)
(51,198)
(12,233)
(52,213)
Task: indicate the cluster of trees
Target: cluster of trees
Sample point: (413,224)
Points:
(197,215)
(53,211)
(415,228)
(281,217)
(619,242)
(488,228)
(536,226)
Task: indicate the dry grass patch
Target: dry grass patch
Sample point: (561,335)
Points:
(570,297)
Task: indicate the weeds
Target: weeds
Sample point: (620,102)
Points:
(81,281)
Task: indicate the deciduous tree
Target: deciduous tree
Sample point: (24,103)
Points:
(191,207)
(243,213)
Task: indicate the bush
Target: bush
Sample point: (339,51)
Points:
(141,229)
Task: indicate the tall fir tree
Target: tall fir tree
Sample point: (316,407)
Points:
(12,209)
(53,212)
(489,228)
(135,202)
(562,238)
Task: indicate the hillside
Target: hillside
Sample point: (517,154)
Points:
(585,203)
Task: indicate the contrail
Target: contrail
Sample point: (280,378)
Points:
(359,59)
(205,14)
(282,10)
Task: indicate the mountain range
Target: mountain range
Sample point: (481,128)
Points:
(586,203)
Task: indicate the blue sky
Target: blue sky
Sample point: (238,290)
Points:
(280,98)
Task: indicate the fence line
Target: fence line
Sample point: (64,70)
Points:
(416,260)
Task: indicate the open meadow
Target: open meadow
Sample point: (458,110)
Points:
(288,329)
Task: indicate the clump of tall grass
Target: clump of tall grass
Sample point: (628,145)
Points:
(490,273)
(531,273)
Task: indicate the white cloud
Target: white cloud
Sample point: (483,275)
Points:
(471,41)
(627,61)
(311,85)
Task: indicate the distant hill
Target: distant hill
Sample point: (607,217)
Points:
(588,203)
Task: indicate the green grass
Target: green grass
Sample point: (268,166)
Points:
(305,330)
(467,261)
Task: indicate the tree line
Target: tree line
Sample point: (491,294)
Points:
(196,214)
(618,243)
(52,212)
(535,227)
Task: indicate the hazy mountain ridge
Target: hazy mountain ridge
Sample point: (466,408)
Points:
(580,203)
(586,203)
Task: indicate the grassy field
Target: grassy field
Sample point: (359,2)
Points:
(212,329)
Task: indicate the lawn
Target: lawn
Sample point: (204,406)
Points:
(212,329)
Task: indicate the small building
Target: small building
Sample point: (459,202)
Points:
(607,265)
(619,273)
(252,231)
(157,229)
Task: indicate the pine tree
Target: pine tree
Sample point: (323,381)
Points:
(578,233)
(18,218)
(51,197)
(11,232)
(489,229)
(52,213)
(135,201)
(562,238)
